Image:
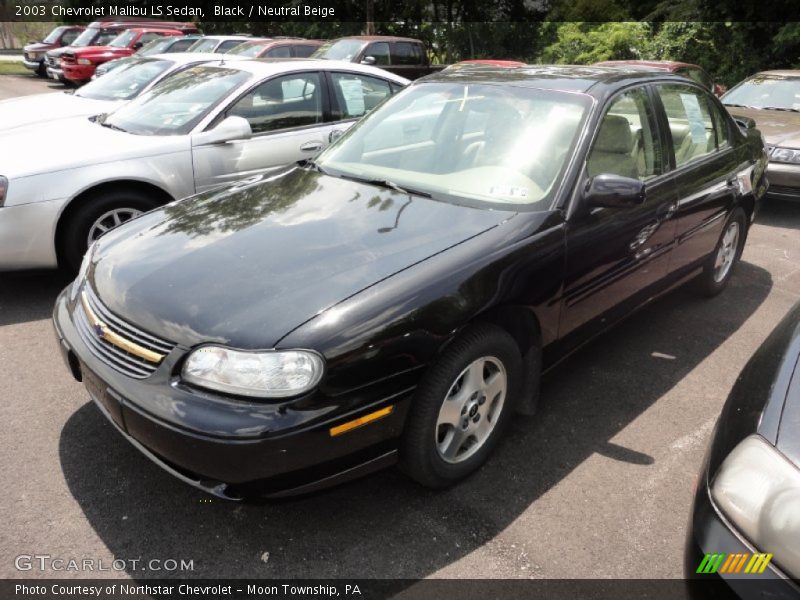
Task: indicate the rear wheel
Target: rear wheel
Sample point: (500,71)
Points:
(461,407)
(95,217)
(720,265)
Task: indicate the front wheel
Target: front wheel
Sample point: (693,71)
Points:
(461,408)
(96,216)
(719,267)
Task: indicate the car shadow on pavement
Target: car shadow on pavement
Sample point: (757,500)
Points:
(30,295)
(385,525)
(779,213)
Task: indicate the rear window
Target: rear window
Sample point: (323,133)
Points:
(406,53)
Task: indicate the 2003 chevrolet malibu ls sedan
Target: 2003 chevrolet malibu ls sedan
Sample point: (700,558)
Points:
(397,299)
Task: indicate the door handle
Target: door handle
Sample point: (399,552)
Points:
(732,181)
(666,212)
(311,146)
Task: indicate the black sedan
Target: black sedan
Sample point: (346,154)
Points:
(397,299)
(745,525)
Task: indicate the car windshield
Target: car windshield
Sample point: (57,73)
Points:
(123,40)
(53,36)
(339,50)
(203,45)
(766,91)
(174,106)
(485,144)
(86,38)
(251,49)
(126,81)
(155,47)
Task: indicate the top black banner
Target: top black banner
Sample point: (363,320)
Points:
(408,11)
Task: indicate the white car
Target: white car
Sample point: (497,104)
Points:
(206,126)
(137,76)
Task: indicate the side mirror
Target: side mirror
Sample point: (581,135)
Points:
(335,135)
(613,191)
(137,45)
(368,60)
(229,130)
(745,122)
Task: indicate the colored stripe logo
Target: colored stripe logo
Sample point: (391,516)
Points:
(732,564)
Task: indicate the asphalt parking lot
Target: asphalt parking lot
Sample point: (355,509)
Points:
(597,484)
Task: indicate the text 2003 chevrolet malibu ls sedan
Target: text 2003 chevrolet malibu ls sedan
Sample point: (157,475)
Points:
(396,299)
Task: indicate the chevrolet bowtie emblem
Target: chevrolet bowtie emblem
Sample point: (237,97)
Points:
(98,329)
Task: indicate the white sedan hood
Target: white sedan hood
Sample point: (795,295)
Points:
(74,143)
(40,108)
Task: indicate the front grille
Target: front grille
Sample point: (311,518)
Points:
(52,61)
(117,343)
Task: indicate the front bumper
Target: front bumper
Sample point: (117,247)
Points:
(236,448)
(27,234)
(78,73)
(710,532)
(56,73)
(784,181)
(33,65)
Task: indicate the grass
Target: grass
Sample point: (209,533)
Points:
(8,67)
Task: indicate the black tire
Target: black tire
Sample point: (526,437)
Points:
(74,241)
(708,283)
(419,456)
(42,70)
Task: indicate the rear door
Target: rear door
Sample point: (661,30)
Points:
(705,165)
(290,119)
(616,255)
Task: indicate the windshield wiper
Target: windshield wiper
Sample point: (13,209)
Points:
(780,108)
(385,183)
(739,105)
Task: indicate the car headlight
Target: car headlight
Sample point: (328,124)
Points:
(758,489)
(3,189)
(84,61)
(785,155)
(264,374)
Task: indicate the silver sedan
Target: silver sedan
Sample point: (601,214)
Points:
(203,127)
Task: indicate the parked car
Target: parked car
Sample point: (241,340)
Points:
(137,75)
(206,126)
(694,72)
(100,33)
(163,45)
(404,56)
(772,100)
(396,298)
(79,64)
(218,43)
(745,521)
(34,53)
(276,48)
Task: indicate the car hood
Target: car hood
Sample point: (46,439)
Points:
(76,142)
(37,47)
(246,266)
(29,110)
(780,128)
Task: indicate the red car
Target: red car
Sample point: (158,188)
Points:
(34,53)
(493,62)
(79,64)
(693,72)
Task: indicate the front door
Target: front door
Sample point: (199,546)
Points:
(286,115)
(615,255)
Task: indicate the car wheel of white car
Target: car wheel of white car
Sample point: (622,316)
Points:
(98,215)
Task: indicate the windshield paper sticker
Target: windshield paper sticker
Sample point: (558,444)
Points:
(697,125)
(508,191)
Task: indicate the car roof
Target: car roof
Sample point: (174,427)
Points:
(377,38)
(268,66)
(649,64)
(185,58)
(597,81)
(780,73)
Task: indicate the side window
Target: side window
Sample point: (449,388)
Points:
(227,45)
(690,123)
(358,94)
(304,51)
(721,126)
(147,37)
(282,103)
(279,52)
(406,53)
(626,142)
(181,45)
(379,50)
(69,37)
(396,87)
(104,38)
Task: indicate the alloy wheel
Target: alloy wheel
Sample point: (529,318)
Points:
(726,254)
(109,220)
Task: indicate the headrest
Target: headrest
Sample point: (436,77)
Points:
(271,92)
(614,136)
